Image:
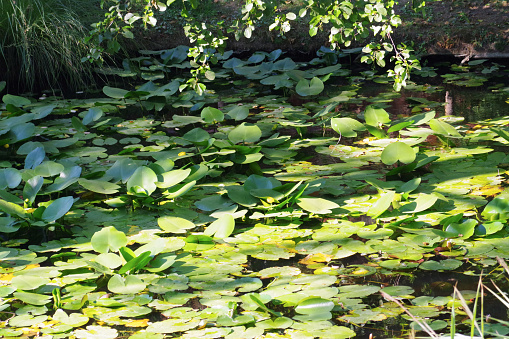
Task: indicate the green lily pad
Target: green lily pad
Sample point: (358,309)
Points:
(108,239)
(398,151)
(306,88)
(317,205)
(447,264)
(245,133)
(221,228)
(175,224)
(128,285)
(347,127)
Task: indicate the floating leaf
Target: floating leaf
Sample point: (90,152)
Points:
(99,186)
(314,306)
(96,332)
(447,264)
(212,115)
(175,224)
(73,319)
(347,127)
(317,205)
(376,116)
(443,128)
(116,93)
(463,230)
(108,239)
(143,178)
(28,282)
(57,209)
(398,151)
(35,158)
(128,285)
(221,228)
(381,205)
(9,177)
(306,88)
(239,113)
(497,209)
(246,133)
(422,203)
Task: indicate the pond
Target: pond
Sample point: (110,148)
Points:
(290,199)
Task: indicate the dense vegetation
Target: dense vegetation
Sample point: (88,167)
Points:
(282,199)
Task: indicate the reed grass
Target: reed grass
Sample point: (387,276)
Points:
(41,45)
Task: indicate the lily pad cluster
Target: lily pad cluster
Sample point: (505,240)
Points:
(276,203)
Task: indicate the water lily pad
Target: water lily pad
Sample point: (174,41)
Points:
(57,209)
(347,127)
(212,115)
(96,332)
(382,204)
(99,186)
(73,319)
(175,224)
(317,205)
(306,88)
(221,228)
(398,151)
(245,133)
(128,285)
(447,264)
(108,239)
(143,178)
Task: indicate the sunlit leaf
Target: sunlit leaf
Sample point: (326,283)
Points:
(221,228)
(398,151)
(347,127)
(108,239)
(382,204)
(175,224)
